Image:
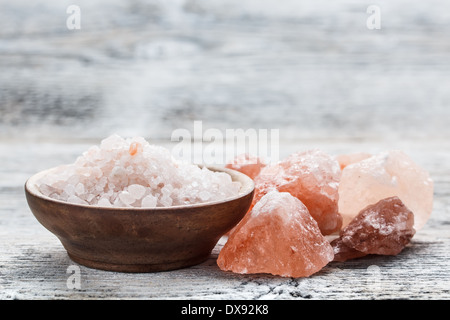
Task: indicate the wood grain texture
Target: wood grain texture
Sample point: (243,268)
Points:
(311,69)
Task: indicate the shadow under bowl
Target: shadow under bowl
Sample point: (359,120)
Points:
(140,239)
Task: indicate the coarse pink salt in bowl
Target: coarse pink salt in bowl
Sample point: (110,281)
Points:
(129,206)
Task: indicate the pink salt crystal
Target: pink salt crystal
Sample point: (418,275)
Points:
(126,197)
(137,191)
(112,142)
(247,164)
(149,201)
(347,159)
(165,201)
(76,200)
(69,189)
(383,228)
(97,172)
(79,189)
(387,174)
(89,197)
(204,195)
(311,176)
(46,189)
(99,188)
(103,202)
(135,147)
(278,236)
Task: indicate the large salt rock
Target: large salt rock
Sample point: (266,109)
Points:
(278,236)
(384,228)
(388,174)
(311,176)
(247,164)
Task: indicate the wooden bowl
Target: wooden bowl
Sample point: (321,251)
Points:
(140,239)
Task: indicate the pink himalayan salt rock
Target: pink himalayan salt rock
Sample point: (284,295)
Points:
(247,164)
(390,173)
(137,191)
(280,237)
(311,176)
(384,228)
(347,159)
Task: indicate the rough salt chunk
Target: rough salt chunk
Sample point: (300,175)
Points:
(88,197)
(247,164)
(149,201)
(76,200)
(69,189)
(165,201)
(204,195)
(112,142)
(135,147)
(384,228)
(103,202)
(79,189)
(137,191)
(388,174)
(46,189)
(126,197)
(311,176)
(278,236)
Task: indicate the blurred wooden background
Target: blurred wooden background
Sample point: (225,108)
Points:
(311,69)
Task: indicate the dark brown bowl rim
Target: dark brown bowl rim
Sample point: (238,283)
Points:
(248,188)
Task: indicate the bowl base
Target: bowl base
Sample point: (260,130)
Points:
(139,268)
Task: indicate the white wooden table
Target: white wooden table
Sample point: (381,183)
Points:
(311,69)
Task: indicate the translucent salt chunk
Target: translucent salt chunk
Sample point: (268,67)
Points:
(126,197)
(103,202)
(89,197)
(204,195)
(137,191)
(113,141)
(119,203)
(79,189)
(69,189)
(167,189)
(73,180)
(165,201)
(278,236)
(76,200)
(46,189)
(149,201)
(388,174)
(97,172)
(99,188)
